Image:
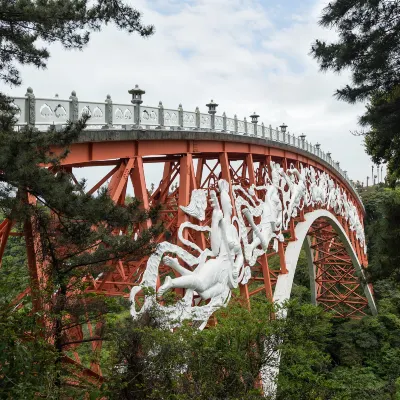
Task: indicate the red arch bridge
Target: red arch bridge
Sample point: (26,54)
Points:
(235,194)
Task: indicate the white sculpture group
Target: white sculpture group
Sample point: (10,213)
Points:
(262,213)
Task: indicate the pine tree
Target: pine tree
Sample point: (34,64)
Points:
(70,236)
(23,23)
(369,46)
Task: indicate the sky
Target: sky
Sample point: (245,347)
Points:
(246,55)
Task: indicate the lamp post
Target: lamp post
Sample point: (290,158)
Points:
(137,101)
(302,138)
(283,130)
(318,146)
(254,121)
(212,109)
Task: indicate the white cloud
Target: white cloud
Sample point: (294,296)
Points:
(233,51)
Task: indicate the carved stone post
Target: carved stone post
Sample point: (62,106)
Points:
(197,111)
(254,120)
(180,116)
(263,129)
(136,101)
(108,113)
(270,132)
(212,109)
(277,134)
(283,130)
(224,122)
(245,127)
(302,138)
(30,107)
(73,107)
(160,116)
(318,146)
(235,123)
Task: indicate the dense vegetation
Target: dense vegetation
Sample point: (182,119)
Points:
(367,45)
(322,357)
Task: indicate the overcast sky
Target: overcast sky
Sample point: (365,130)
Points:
(247,55)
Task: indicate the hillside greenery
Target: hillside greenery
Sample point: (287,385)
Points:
(322,357)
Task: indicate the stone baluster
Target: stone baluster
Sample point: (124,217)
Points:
(245,127)
(73,107)
(224,128)
(263,130)
(235,122)
(108,113)
(270,132)
(180,116)
(160,116)
(197,111)
(30,107)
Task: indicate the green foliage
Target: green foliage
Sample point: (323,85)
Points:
(305,360)
(222,362)
(382,138)
(368,45)
(383,234)
(78,237)
(26,358)
(26,23)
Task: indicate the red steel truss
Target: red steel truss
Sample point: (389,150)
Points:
(188,165)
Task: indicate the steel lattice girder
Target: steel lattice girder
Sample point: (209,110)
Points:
(238,163)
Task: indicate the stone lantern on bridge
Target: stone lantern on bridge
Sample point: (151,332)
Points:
(318,147)
(136,101)
(283,130)
(302,138)
(212,109)
(254,121)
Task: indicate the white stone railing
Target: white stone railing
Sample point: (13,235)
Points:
(42,113)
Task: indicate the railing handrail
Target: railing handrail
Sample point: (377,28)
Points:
(37,112)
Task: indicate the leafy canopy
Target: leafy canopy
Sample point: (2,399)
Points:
(368,45)
(26,24)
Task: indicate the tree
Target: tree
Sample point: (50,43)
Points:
(76,235)
(23,23)
(382,139)
(70,235)
(148,361)
(368,45)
